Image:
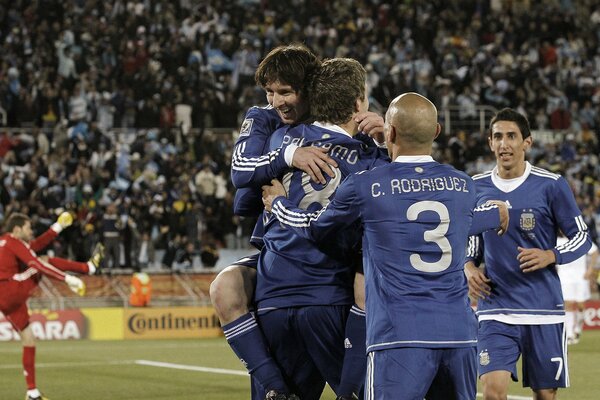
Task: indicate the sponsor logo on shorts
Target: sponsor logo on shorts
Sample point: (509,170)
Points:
(484,358)
(246,126)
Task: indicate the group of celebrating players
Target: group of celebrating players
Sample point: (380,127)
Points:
(369,250)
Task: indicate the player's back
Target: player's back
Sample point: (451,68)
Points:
(416,217)
(295,271)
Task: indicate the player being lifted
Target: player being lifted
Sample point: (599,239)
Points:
(20,272)
(283,74)
(416,215)
(520,306)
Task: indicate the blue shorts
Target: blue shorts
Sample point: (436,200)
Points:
(308,344)
(250,261)
(543,347)
(410,373)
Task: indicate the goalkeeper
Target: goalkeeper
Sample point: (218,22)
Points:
(20,272)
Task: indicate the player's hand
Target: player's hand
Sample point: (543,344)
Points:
(75,284)
(271,192)
(372,124)
(65,219)
(314,161)
(533,259)
(479,287)
(504,216)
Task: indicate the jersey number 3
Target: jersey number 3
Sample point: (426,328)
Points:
(437,236)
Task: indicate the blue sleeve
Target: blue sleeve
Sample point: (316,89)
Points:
(248,202)
(569,219)
(341,212)
(485,218)
(475,249)
(251,162)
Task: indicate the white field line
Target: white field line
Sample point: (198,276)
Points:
(244,373)
(70,364)
(167,365)
(191,368)
(512,397)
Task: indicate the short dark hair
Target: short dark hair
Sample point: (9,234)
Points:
(334,90)
(509,114)
(14,220)
(293,65)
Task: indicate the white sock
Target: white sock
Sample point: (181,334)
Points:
(570,323)
(34,393)
(579,323)
(92,268)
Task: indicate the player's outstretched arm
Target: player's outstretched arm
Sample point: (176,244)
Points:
(342,211)
(491,215)
(64,220)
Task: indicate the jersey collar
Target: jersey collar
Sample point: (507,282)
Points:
(414,159)
(508,185)
(331,127)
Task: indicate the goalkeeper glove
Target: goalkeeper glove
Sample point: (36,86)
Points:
(64,220)
(75,284)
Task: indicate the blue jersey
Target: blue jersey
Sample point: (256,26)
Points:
(249,154)
(417,216)
(294,271)
(540,203)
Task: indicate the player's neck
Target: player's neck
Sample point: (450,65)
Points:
(511,173)
(351,127)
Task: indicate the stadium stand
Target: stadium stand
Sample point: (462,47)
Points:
(137,103)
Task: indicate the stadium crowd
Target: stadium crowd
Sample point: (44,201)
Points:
(113,105)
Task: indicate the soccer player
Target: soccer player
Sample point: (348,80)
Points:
(520,307)
(416,215)
(283,74)
(575,280)
(20,273)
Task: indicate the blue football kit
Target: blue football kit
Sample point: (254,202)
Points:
(416,215)
(525,312)
(304,291)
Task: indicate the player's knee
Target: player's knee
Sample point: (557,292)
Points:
(545,394)
(494,391)
(227,294)
(359,291)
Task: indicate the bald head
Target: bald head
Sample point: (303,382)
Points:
(414,119)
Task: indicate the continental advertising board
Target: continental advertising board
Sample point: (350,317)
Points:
(119,323)
(180,322)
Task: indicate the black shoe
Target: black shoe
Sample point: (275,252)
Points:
(351,397)
(275,395)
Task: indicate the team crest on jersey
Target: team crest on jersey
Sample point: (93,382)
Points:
(246,126)
(484,358)
(527,220)
(419,170)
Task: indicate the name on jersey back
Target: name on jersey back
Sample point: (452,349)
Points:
(415,185)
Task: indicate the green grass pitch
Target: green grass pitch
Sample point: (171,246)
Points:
(194,369)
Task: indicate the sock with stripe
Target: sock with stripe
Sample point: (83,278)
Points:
(29,366)
(247,341)
(355,358)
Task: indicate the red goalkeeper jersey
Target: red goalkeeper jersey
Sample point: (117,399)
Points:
(18,260)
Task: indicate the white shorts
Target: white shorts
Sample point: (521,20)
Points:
(578,290)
